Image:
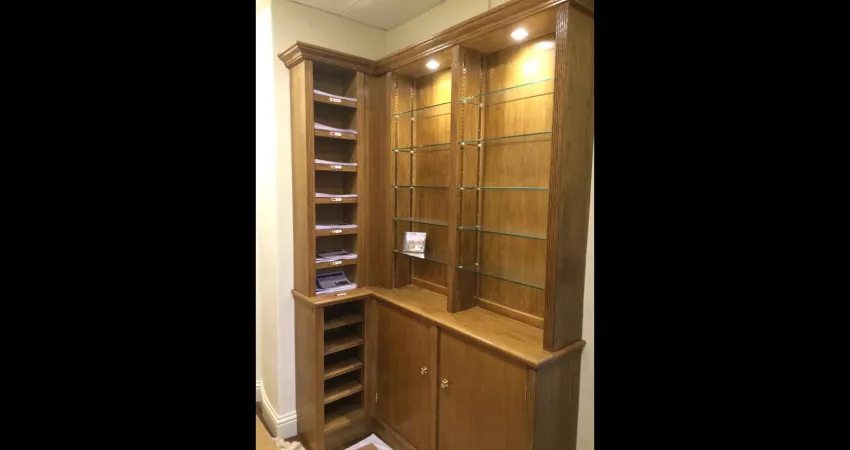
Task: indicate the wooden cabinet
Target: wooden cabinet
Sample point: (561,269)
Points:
(331,339)
(484,141)
(481,397)
(472,395)
(404,376)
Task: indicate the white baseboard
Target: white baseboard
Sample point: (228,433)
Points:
(259,391)
(284,425)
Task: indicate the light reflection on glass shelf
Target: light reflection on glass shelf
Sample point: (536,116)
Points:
(501,188)
(426,256)
(518,138)
(537,282)
(439,223)
(502,232)
(428,147)
(523,91)
(434,110)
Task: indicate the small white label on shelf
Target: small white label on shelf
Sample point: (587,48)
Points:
(336,167)
(334,100)
(336,231)
(336,263)
(341,294)
(336,199)
(334,133)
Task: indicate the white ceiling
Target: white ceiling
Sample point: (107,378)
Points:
(383,14)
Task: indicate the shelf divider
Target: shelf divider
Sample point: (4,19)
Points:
(341,417)
(342,367)
(343,343)
(343,321)
(342,390)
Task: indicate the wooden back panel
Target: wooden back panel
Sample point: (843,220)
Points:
(426,167)
(513,162)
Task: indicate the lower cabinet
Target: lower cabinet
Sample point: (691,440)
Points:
(439,390)
(481,397)
(404,378)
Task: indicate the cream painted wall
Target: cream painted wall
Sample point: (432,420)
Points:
(294,21)
(266,208)
(436,19)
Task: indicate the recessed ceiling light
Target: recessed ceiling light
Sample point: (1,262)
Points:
(432,64)
(545,44)
(519,34)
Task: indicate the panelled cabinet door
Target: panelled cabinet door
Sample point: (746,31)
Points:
(481,398)
(403,374)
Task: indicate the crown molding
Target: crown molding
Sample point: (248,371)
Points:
(302,50)
(485,22)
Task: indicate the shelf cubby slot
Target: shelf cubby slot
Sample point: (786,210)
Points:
(336,81)
(342,386)
(336,150)
(342,338)
(342,362)
(331,243)
(343,413)
(333,213)
(343,314)
(350,271)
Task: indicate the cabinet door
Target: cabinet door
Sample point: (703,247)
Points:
(482,405)
(404,391)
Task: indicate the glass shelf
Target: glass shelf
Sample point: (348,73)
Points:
(426,256)
(428,147)
(503,233)
(505,275)
(412,187)
(438,223)
(431,110)
(537,88)
(501,188)
(519,138)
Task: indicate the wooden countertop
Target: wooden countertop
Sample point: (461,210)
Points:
(509,336)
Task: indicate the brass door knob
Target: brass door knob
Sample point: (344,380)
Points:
(445,383)
(423,370)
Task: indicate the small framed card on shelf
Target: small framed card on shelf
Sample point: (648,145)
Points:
(414,242)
